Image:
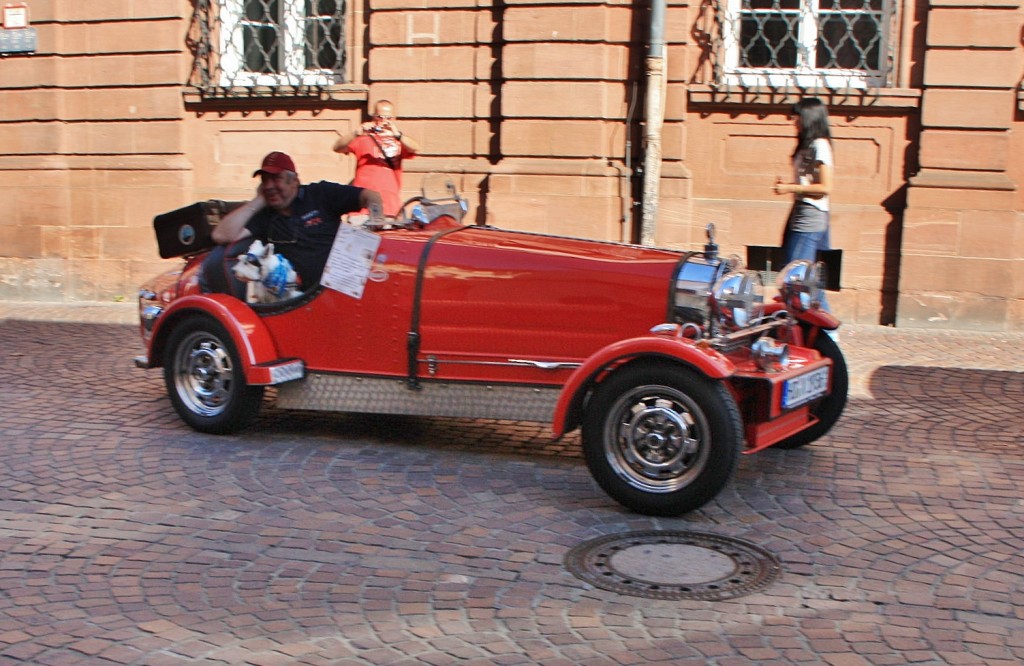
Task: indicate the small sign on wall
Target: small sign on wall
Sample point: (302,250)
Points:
(15,15)
(16,36)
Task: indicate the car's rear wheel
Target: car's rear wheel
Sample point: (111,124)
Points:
(204,378)
(662,440)
(831,407)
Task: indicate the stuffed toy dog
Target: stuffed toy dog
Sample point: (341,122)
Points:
(269,277)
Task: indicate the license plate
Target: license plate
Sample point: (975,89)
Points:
(802,389)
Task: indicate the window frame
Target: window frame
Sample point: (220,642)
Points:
(292,48)
(805,74)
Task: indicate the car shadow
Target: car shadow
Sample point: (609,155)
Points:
(960,407)
(510,438)
(965,408)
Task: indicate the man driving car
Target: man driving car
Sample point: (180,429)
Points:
(300,220)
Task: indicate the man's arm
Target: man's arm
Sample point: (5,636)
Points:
(232,226)
(407,143)
(342,144)
(372,201)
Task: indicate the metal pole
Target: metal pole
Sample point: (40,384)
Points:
(655,117)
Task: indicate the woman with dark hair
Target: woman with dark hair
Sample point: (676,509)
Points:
(807,229)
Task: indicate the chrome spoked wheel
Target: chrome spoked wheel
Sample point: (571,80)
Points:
(658,439)
(204,378)
(661,439)
(203,374)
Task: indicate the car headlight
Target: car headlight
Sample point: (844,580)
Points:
(739,297)
(802,284)
(149,310)
(693,290)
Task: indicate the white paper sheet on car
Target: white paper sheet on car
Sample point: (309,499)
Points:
(351,260)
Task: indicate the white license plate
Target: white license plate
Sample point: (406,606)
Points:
(798,390)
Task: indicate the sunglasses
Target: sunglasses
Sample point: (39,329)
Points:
(377,115)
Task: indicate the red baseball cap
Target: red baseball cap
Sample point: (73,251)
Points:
(274,163)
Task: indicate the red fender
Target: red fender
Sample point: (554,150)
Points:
(700,356)
(814,316)
(818,318)
(251,338)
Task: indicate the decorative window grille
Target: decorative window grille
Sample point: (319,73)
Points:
(243,44)
(804,43)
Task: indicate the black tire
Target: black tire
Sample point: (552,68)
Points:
(831,407)
(662,440)
(204,379)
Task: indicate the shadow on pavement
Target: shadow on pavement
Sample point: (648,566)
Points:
(986,407)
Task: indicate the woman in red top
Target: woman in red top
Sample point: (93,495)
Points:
(379,148)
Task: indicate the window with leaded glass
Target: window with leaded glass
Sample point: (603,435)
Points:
(806,43)
(281,42)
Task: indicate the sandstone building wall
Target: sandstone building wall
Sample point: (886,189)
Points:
(538,107)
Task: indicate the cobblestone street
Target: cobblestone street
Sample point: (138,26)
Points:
(127,538)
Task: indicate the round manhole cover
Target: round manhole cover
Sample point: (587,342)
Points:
(673,565)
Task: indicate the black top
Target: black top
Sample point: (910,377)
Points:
(306,237)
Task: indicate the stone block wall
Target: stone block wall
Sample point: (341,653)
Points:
(528,96)
(537,108)
(963,233)
(89,129)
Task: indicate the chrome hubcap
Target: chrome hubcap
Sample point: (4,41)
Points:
(656,438)
(203,374)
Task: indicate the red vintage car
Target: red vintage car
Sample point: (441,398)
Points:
(670,362)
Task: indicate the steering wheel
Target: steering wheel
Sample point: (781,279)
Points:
(404,217)
(409,218)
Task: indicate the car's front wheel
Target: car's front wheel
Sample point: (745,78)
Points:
(662,440)
(204,378)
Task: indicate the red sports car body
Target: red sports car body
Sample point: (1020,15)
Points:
(669,361)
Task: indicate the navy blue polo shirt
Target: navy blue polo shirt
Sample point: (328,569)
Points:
(306,236)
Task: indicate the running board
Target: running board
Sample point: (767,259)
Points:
(375,395)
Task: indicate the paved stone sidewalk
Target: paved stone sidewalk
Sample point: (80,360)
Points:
(126,538)
(126,312)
